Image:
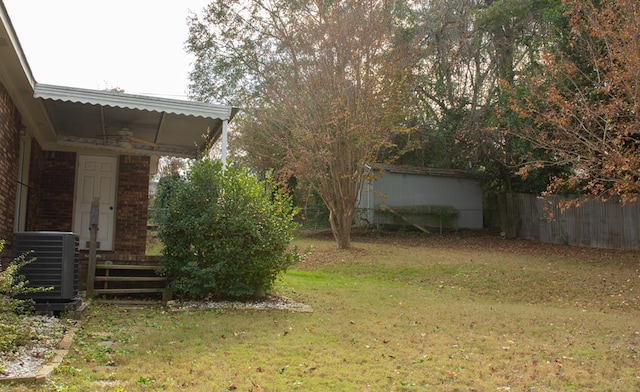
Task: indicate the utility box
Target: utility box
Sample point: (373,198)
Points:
(56,265)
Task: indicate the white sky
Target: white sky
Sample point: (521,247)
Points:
(136,45)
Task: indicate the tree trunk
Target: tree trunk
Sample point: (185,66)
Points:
(509,214)
(341,227)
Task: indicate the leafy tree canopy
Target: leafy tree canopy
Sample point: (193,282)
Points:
(583,105)
(324,83)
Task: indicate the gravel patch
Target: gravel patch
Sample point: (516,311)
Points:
(268,303)
(27,360)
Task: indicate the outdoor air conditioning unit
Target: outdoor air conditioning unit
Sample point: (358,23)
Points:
(56,263)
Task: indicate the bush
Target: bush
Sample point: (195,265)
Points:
(12,334)
(426,215)
(226,234)
(12,285)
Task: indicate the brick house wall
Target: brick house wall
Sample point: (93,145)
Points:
(132,205)
(10,121)
(51,197)
(50,203)
(56,191)
(33,198)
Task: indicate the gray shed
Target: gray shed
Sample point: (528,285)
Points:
(422,197)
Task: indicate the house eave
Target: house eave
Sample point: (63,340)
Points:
(19,82)
(132,101)
(131,124)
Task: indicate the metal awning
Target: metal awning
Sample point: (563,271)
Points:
(131,124)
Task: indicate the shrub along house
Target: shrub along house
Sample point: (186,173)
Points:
(61,147)
(421,197)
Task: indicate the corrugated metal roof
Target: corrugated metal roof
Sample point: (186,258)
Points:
(133,124)
(427,171)
(132,101)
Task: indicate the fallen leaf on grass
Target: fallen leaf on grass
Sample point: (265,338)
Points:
(422,359)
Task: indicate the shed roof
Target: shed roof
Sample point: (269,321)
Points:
(425,171)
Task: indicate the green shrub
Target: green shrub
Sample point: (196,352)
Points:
(226,234)
(12,334)
(446,213)
(12,284)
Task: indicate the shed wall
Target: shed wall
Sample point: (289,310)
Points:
(405,189)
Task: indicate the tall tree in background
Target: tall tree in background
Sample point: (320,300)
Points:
(515,33)
(445,87)
(324,83)
(470,50)
(585,105)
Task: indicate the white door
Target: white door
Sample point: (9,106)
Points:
(96,178)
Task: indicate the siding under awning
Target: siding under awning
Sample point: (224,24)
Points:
(133,124)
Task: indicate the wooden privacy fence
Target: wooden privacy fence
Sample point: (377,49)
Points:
(593,223)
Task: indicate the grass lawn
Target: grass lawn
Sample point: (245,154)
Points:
(398,313)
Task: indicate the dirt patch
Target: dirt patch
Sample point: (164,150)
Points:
(270,302)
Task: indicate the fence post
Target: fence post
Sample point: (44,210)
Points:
(93,239)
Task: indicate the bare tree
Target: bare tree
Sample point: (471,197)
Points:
(325,84)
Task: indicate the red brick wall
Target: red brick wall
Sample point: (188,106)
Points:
(33,198)
(52,180)
(132,205)
(10,121)
(57,180)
